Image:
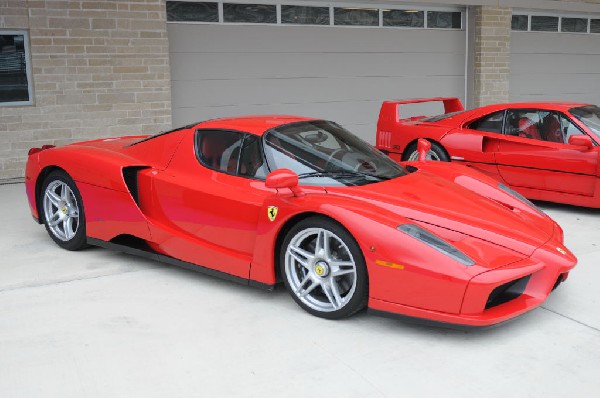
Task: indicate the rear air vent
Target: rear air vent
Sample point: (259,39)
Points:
(507,292)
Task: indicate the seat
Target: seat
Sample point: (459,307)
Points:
(212,151)
(551,129)
(528,129)
(229,158)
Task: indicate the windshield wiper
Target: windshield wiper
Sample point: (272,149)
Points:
(340,174)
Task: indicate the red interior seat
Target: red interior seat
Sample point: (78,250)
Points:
(529,128)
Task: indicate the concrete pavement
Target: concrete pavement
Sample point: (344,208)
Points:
(102,324)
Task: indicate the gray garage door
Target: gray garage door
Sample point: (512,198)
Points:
(555,66)
(337,73)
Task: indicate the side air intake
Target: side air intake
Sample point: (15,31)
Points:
(130,176)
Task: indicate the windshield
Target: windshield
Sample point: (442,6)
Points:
(323,153)
(588,115)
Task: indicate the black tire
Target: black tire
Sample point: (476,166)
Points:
(74,236)
(352,286)
(437,150)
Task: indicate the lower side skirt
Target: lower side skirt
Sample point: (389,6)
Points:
(178,263)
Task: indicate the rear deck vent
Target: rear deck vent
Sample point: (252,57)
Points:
(506,292)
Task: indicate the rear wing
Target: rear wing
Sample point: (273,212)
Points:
(389,109)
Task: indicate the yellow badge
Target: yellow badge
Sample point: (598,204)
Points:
(319,270)
(561,251)
(272,212)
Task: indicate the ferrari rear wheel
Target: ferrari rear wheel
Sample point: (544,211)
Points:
(62,209)
(436,153)
(324,269)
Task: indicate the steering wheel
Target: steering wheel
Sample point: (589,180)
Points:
(358,163)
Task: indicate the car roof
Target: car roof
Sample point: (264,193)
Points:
(554,105)
(256,124)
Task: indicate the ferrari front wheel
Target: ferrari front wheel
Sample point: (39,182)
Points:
(62,209)
(436,152)
(324,269)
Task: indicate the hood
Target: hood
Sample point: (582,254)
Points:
(429,199)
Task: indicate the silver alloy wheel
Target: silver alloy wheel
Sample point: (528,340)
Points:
(320,269)
(430,156)
(61,210)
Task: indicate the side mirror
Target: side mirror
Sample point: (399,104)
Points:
(423,147)
(581,140)
(283,178)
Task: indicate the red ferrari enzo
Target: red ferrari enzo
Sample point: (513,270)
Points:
(546,151)
(280,198)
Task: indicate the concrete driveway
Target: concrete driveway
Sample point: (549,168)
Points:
(102,324)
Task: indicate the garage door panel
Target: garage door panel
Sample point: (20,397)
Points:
(555,66)
(273,91)
(197,66)
(335,73)
(546,83)
(264,39)
(555,63)
(573,97)
(552,43)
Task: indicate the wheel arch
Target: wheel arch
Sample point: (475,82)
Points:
(287,226)
(39,182)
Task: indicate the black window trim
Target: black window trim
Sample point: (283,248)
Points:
(245,135)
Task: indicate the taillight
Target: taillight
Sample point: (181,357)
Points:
(33,151)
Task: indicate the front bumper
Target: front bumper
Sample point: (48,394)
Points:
(484,303)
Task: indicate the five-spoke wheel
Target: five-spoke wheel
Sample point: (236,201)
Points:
(324,269)
(62,211)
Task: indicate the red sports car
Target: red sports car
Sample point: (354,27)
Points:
(545,150)
(280,198)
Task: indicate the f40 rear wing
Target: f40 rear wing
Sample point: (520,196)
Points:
(389,109)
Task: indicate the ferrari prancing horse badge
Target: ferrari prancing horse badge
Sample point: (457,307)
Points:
(272,212)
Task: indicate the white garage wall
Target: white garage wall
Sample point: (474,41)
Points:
(555,66)
(337,73)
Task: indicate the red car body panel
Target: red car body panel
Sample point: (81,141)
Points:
(202,217)
(538,169)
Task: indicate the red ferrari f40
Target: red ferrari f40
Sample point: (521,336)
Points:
(544,150)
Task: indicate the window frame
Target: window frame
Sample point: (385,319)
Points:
(332,6)
(245,135)
(529,14)
(28,68)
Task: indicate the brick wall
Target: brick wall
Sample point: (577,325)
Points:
(491,54)
(100,68)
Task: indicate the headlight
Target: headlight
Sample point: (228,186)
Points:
(519,197)
(433,241)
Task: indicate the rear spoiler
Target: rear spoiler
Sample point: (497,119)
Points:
(389,109)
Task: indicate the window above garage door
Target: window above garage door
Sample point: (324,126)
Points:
(523,21)
(338,15)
